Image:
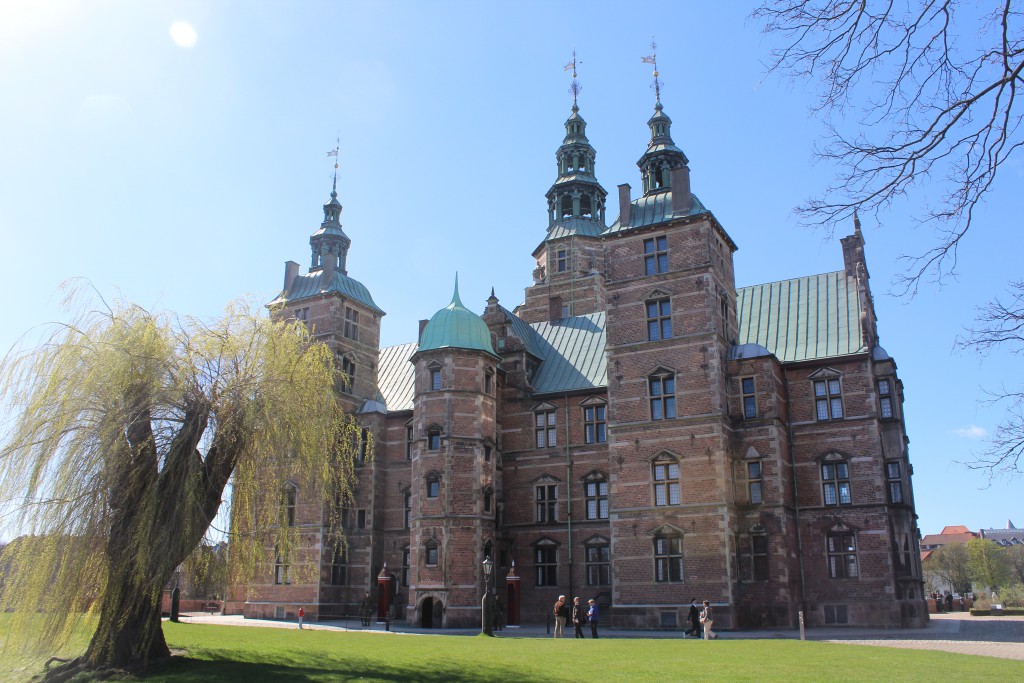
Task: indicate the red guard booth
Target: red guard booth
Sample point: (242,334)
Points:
(512,596)
(384,582)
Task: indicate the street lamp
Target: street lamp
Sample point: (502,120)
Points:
(486,617)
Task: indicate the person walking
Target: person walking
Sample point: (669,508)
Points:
(592,615)
(694,617)
(579,617)
(707,618)
(302,613)
(561,612)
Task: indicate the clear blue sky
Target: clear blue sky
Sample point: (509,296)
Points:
(182,169)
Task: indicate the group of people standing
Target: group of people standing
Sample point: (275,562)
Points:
(579,614)
(701,619)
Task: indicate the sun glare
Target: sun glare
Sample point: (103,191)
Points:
(183,34)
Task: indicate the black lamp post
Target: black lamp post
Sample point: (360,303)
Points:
(486,606)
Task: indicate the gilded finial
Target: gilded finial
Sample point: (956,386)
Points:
(653,59)
(574,88)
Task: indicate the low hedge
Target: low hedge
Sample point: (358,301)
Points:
(1006,612)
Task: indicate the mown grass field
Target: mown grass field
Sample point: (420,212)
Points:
(253,655)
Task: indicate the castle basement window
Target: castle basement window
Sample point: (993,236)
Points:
(666,483)
(598,564)
(885,399)
(595,491)
(351,329)
(894,482)
(656,255)
(545,560)
(545,429)
(663,396)
(547,503)
(659,319)
(749,398)
(828,399)
(595,426)
(668,559)
(835,483)
(842,555)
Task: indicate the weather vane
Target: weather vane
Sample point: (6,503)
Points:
(653,59)
(575,87)
(334,153)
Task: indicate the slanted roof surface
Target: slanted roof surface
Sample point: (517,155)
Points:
(310,285)
(395,375)
(574,354)
(805,318)
(653,209)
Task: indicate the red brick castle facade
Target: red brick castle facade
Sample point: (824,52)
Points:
(638,430)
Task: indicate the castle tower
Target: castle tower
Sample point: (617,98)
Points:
(453,469)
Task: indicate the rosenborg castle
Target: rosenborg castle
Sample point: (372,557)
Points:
(637,430)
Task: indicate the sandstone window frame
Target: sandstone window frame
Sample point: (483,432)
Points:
(339,564)
(655,255)
(351,327)
(886,395)
(666,480)
(282,570)
(658,313)
(348,369)
(406,564)
(545,426)
(433,485)
(828,399)
(754,555)
(894,482)
(407,509)
(409,439)
(289,502)
(546,499)
(748,394)
(545,562)
(488,500)
(431,553)
(595,496)
(841,553)
(669,566)
(595,422)
(755,481)
(661,391)
(597,561)
(836,487)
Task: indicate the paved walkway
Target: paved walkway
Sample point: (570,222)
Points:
(957,632)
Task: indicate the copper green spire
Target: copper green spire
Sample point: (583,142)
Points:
(329,244)
(662,155)
(457,327)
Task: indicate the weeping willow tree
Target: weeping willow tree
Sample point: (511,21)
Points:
(124,428)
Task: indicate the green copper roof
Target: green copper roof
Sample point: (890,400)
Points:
(574,356)
(456,327)
(310,285)
(805,318)
(653,209)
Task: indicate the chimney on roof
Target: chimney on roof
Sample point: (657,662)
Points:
(624,204)
(681,198)
(291,271)
(423,326)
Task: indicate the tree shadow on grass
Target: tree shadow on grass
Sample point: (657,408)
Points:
(187,670)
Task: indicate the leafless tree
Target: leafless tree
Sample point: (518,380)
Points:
(913,92)
(1000,324)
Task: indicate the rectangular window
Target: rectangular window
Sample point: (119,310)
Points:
(348,368)
(885,399)
(435,379)
(339,569)
(754,482)
(894,481)
(594,425)
(546,562)
(290,502)
(596,494)
(351,323)
(302,314)
(406,562)
(836,614)
(408,509)
(281,574)
(842,556)
(668,558)
(666,484)
(656,255)
(408,443)
(487,453)
(835,481)
(360,519)
(663,396)
(431,559)
(488,382)
(828,399)
(487,500)
(433,487)
(545,429)
(364,445)
(659,319)
(561,262)
(547,503)
(598,565)
(433,441)
(749,398)
(759,557)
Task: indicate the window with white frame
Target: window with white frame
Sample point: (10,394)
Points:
(666,482)
(749,398)
(545,560)
(828,399)
(547,503)
(662,390)
(595,425)
(545,429)
(842,555)
(598,563)
(659,319)
(595,490)
(668,558)
(885,410)
(835,483)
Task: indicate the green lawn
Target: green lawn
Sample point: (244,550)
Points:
(252,655)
